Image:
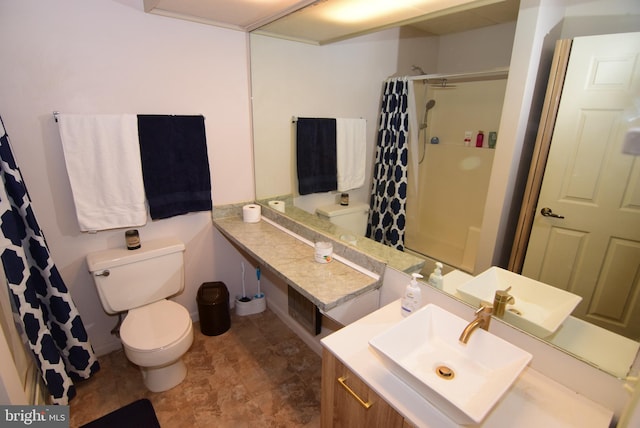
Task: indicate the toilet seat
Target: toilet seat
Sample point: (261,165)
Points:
(156,326)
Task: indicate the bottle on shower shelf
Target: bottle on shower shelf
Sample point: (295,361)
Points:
(480,139)
(467,138)
(493,138)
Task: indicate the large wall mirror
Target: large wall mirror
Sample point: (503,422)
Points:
(344,79)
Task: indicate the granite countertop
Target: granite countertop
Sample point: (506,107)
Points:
(300,219)
(326,285)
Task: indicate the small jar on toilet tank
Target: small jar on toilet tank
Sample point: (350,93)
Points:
(133,239)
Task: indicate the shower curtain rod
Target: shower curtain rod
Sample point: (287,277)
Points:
(459,77)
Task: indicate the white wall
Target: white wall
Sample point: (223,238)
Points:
(476,50)
(107,56)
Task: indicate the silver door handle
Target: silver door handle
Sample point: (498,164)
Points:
(103,273)
(548,213)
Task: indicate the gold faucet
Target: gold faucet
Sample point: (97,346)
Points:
(482,320)
(501,299)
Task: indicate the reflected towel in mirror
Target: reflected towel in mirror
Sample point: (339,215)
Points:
(316,155)
(351,136)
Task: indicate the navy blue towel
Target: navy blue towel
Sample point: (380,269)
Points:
(316,155)
(175,165)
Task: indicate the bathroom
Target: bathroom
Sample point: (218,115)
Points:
(54,69)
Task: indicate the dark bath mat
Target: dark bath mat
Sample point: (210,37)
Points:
(134,415)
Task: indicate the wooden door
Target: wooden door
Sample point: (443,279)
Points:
(593,249)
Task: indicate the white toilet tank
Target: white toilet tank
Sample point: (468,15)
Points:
(128,279)
(352,217)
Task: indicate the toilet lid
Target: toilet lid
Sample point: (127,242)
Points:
(155,326)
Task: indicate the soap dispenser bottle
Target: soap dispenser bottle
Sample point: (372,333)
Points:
(412,296)
(436,279)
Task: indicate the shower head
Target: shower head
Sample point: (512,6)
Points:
(418,69)
(430,104)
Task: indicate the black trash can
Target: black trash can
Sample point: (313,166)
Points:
(213,308)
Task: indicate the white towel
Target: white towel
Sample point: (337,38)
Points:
(351,150)
(102,155)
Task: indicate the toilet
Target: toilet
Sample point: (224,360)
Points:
(352,217)
(156,332)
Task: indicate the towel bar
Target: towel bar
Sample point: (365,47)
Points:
(294,119)
(56,113)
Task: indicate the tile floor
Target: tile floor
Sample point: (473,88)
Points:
(257,374)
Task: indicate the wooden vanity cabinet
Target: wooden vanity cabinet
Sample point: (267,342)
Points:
(348,402)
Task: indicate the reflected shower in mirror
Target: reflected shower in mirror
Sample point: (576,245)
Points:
(344,80)
(445,205)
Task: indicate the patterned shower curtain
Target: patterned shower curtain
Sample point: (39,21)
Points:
(387,215)
(52,325)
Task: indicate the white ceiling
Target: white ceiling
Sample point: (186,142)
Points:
(243,15)
(318,23)
(471,18)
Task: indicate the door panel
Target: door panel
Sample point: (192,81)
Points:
(564,247)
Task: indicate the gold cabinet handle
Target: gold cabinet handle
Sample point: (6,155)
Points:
(365,404)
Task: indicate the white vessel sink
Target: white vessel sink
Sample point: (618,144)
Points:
(538,308)
(422,349)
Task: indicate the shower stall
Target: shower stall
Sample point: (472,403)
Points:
(448,175)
